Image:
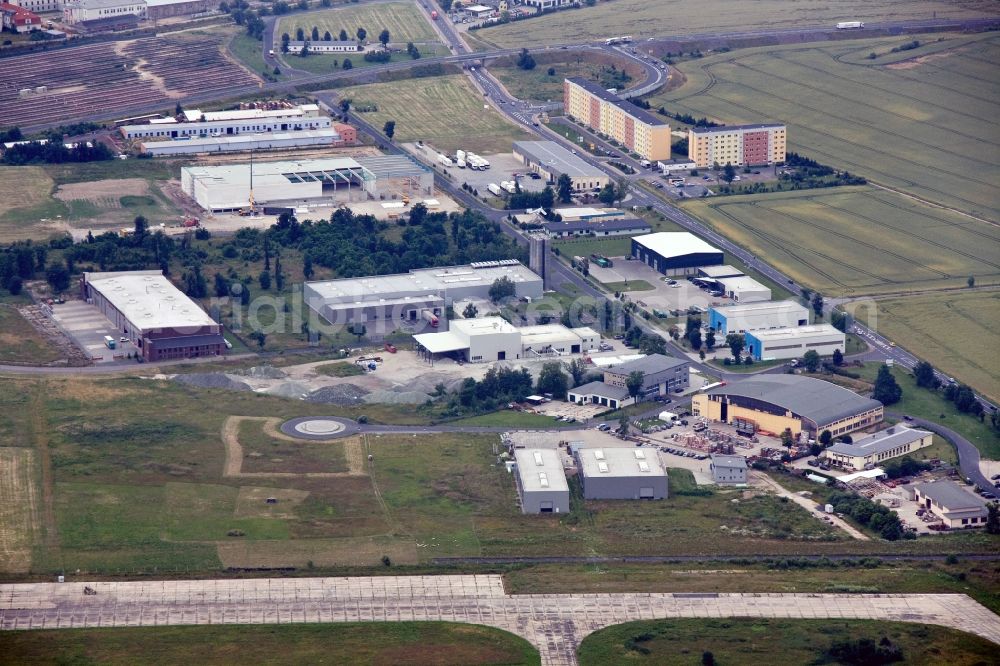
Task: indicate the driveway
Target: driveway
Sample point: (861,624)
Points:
(554,623)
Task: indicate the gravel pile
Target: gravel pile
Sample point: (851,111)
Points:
(297,390)
(397,397)
(216,380)
(340,394)
(262,372)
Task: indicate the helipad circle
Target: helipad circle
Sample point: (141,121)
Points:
(320,427)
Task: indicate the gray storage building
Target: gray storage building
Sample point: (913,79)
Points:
(728,469)
(621,473)
(661,374)
(541,481)
(551,160)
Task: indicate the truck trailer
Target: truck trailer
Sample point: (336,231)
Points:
(494,189)
(848,25)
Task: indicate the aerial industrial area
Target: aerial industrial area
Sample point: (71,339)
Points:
(510,332)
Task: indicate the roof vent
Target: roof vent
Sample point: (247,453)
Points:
(643,466)
(603,467)
(538,458)
(639,454)
(598,454)
(543,479)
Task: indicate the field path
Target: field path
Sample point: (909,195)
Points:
(233,465)
(18,508)
(808,505)
(40,438)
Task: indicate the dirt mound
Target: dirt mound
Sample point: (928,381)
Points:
(341,394)
(262,372)
(216,380)
(298,390)
(397,397)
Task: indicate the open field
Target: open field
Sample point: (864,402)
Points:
(403,20)
(926,126)
(538,84)
(857,240)
(20,342)
(414,643)
(739,641)
(23,188)
(18,508)
(641,18)
(249,52)
(446,112)
(931,405)
(956,332)
(121,75)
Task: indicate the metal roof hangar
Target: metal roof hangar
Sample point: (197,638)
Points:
(776,402)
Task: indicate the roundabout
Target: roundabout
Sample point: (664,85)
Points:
(318,428)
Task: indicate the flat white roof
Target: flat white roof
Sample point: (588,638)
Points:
(586,211)
(547,334)
(236,139)
(720,271)
(485,325)
(864,474)
(620,462)
(149,300)
(586,332)
(795,332)
(276,173)
(419,282)
(540,470)
(196,115)
(742,283)
(439,343)
(675,243)
(612,361)
(767,307)
(478,8)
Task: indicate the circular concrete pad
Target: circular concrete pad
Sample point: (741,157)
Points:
(319,427)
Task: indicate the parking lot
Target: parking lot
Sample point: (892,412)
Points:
(86,326)
(664,297)
(502,167)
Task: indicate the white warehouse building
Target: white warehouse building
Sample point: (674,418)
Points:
(388,301)
(541,481)
(757,316)
(228,187)
(744,289)
(198,123)
(242,142)
(783,343)
(495,339)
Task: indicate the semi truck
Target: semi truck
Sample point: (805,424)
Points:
(430,318)
(849,25)
(509,186)
(460,159)
(445,160)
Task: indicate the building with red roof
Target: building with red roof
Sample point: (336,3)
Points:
(19,19)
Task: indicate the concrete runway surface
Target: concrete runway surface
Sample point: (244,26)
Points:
(554,623)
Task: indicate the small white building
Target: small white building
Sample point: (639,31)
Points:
(670,166)
(242,142)
(756,316)
(295,47)
(599,393)
(621,473)
(728,469)
(744,289)
(495,339)
(783,343)
(77,11)
(541,481)
(479,11)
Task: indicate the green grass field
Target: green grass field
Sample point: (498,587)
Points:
(925,126)
(609,247)
(741,641)
(931,405)
(323,63)
(954,332)
(249,52)
(20,342)
(444,111)
(641,18)
(416,643)
(857,240)
(633,285)
(403,20)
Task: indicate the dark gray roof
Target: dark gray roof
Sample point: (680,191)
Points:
(649,365)
(727,128)
(557,159)
(879,442)
(813,399)
(598,224)
(625,106)
(739,462)
(950,496)
(601,389)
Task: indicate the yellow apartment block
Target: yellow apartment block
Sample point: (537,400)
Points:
(739,145)
(774,403)
(636,129)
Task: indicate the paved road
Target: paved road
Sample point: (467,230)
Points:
(554,623)
(968,454)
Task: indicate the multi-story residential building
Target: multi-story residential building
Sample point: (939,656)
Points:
(739,145)
(605,112)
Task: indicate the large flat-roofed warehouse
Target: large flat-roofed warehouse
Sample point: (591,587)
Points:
(541,481)
(599,227)
(414,296)
(620,474)
(878,447)
(228,187)
(639,131)
(772,403)
(153,314)
(675,252)
(241,142)
(494,339)
(781,343)
(551,160)
(757,316)
(195,122)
